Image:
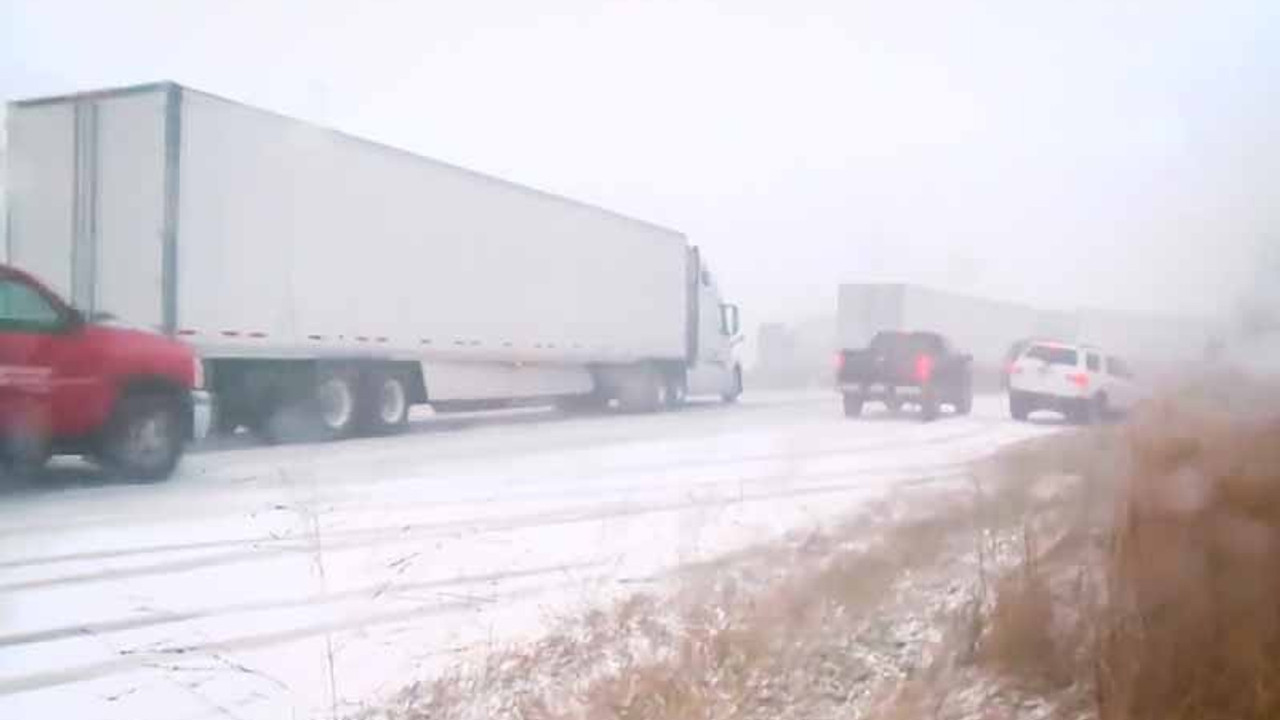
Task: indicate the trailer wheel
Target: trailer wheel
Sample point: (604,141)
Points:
(325,410)
(677,391)
(644,390)
(594,402)
(387,402)
(330,411)
(145,437)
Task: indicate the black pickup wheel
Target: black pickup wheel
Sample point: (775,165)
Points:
(852,405)
(929,406)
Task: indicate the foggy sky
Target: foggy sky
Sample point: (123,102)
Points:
(1094,153)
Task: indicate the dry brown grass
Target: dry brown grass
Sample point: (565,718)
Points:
(1128,573)
(1161,598)
(792,632)
(1190,626)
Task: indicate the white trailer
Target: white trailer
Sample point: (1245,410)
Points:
(987,328)
(329,282)
(981,327)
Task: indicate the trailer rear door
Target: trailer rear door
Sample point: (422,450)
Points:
(88,199)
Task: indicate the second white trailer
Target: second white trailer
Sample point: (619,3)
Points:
(329,282)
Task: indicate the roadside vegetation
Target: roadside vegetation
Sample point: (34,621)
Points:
(1121,573)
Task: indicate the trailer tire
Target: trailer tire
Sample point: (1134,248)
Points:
(644,391)
(325,409)
(677,391)
(386,399)
(145,437)
(594,402)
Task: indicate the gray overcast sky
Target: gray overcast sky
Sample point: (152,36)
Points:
(1119,154)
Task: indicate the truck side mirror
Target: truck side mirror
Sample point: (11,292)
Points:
(729,320)
(73,321)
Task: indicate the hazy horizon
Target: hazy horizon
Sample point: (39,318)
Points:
(1088,155)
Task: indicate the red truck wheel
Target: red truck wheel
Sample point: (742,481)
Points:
(25,447)
(146,437)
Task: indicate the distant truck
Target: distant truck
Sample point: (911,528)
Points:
(72,384)
(920,369)
(329,283)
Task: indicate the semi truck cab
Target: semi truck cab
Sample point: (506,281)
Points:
(127,398)
(714,369)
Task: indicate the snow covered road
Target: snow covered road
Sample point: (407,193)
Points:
(279,582)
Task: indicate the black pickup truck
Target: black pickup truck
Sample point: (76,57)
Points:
(906,368)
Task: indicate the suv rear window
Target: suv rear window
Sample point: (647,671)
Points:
(1054,355)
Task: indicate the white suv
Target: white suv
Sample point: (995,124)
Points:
(1079,381)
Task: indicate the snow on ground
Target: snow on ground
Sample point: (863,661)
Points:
(275,582)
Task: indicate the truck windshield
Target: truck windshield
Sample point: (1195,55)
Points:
(1054,355)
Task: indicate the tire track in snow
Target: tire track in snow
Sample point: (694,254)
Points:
(873,457)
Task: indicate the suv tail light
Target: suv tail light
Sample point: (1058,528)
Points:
(1079,379)
(924,368)
(839,361)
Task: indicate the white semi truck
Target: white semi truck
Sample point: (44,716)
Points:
(329,282)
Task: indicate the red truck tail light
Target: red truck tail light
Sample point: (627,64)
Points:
(839,361)
(1079,379)
(924,368)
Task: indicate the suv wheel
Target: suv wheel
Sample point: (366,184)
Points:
(1082,411)
(1098,410)
(1019,408)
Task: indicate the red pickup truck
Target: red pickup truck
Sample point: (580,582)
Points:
(127,398)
